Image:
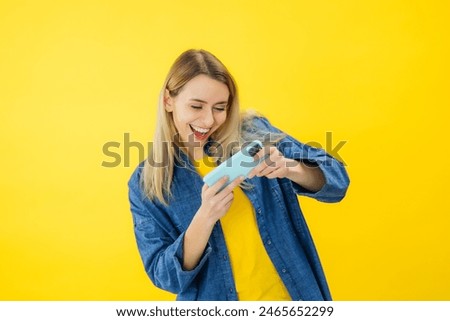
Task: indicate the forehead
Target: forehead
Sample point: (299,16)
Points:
(205,88)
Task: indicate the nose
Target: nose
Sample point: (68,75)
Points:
(207,117)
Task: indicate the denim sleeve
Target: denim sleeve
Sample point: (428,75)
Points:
(160,246)
(336,177)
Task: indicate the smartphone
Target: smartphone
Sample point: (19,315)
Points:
(240,164)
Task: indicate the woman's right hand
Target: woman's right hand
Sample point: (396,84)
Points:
(216,204)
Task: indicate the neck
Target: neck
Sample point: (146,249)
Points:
(194,153)
(197,154)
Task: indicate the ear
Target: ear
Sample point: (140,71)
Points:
(168,101)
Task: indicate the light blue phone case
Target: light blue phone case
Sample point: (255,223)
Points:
(240,164)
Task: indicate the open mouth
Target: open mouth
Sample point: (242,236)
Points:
(199,132)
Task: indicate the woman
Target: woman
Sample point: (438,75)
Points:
(248,241)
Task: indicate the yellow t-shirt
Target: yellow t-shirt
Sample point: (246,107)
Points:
(255,276)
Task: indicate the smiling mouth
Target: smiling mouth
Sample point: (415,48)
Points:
(200,133)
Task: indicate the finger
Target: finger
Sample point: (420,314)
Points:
(279,172)
(269,167)
(277,162)
(228,199)
(236,182)
(272,167)
(268,158)
(213,189)
(261,159)
(266,171)
(263,156)
(257,169)
(229,189)
(271,148)
(259,154)
(227,202)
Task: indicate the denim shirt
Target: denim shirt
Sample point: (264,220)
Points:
(160,229)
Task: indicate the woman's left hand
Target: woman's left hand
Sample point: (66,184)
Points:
(274,166)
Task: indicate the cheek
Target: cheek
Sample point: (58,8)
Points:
(221,118)
(181,118)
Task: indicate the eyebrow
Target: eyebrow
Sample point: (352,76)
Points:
(205,102)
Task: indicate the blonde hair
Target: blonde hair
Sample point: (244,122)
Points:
(156,180)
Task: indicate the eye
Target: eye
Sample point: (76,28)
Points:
(220,108)
(196,107)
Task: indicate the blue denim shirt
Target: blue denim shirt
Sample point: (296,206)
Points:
(160,229)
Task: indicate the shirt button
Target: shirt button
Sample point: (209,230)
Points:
(231,290)
(258,211)
(224,257)
(269,242)
(283,270)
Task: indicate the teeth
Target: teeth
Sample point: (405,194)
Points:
(200,130)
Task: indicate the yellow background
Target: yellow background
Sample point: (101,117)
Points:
(78,74)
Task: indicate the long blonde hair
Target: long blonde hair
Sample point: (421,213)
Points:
(156,180)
